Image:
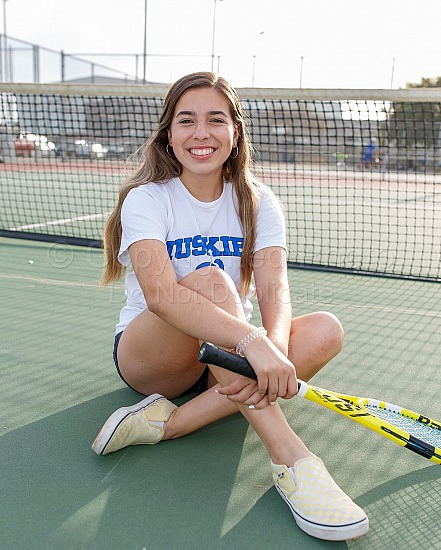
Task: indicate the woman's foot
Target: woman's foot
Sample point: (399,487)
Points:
(140,424)
(319,506)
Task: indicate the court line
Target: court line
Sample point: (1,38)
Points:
(53,282)
(61,221)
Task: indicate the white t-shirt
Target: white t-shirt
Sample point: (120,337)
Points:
(196,233)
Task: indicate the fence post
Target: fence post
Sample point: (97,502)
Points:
(1,58)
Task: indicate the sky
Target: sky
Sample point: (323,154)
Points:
(263,43)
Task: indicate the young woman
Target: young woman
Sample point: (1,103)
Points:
(197,230)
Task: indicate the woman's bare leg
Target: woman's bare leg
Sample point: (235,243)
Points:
(314,340)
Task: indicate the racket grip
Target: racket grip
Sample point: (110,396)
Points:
(209,353)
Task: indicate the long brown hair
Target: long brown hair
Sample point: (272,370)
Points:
(158,166)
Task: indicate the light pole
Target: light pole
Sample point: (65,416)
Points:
(254,61)
(145,44)
(392,74)
(5,44)
(301,72)
(214,33)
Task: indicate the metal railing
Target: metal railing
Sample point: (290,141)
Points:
(22,61)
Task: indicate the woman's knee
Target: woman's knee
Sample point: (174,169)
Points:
(214,284)
(332,331)
(321,330)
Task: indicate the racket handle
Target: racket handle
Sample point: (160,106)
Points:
(209,353)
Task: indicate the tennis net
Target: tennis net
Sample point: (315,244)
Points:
(358,171)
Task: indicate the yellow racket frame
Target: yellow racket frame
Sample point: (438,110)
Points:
(356,409)
(352,407)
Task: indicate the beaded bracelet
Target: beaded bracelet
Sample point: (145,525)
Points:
(250,337)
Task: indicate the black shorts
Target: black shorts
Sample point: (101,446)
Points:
(200,386)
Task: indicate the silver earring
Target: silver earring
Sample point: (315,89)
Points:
(169,151)
(237,153)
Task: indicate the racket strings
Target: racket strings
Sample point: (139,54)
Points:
(413,427)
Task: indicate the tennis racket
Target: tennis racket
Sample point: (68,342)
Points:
(409,429)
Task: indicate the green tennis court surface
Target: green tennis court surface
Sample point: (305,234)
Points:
(210,490)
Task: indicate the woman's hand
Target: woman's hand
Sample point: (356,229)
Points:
(276,377)
(245,391)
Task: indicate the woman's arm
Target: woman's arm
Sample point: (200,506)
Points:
(191,313)
(273,295)
(181,307)
(270,277)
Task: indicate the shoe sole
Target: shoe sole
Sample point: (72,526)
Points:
(327,532)
(115,420)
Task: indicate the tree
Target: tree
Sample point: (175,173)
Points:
(426,83)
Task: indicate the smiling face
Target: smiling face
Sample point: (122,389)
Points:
(202,134)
